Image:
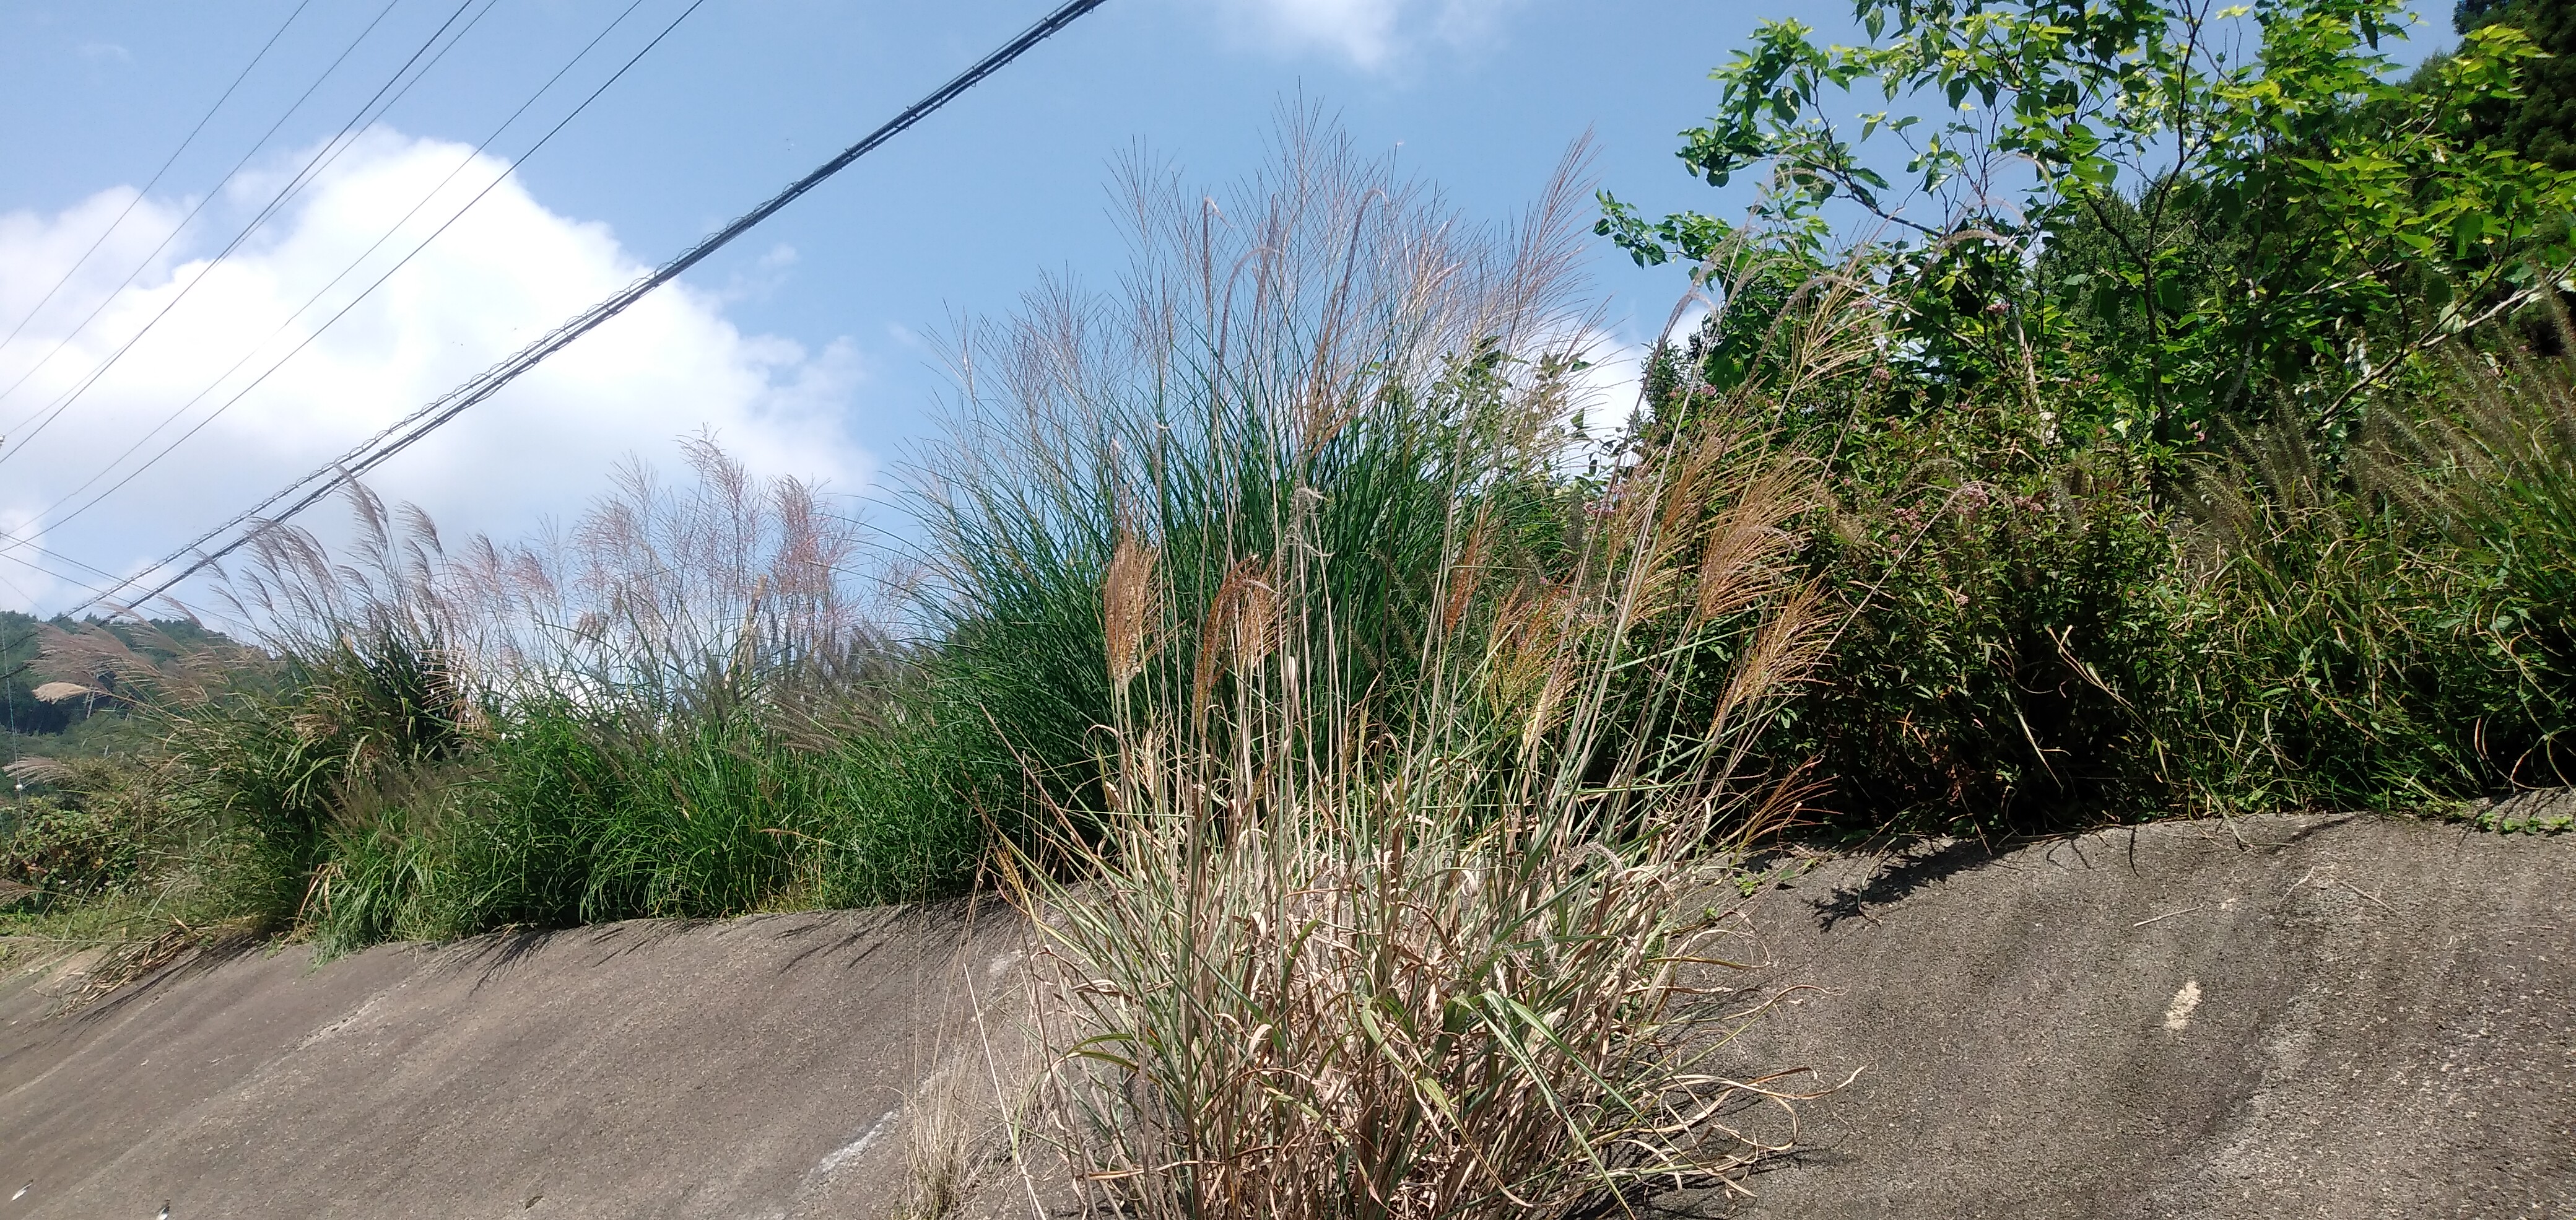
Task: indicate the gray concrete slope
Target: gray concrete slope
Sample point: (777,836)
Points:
(2345,1018)
(2278,1017)
(750,1068)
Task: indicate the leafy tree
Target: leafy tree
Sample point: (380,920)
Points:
(21,640)
(2209,230)
(2541,124)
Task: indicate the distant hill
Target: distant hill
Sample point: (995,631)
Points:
(22,638)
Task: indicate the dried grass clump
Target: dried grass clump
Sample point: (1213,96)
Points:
(945,1136)
(1440,974)
(1348,938)
(658,597)
(1410,752)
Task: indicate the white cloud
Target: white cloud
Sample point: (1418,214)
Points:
(1612,386)
(1605,394)
(506,273)
(1372,34)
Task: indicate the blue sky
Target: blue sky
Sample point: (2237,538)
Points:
(808,345)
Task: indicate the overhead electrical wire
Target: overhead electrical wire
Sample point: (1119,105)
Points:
(12,703)
(201,203)
(60,559)
(322,158)
(157,176)
(340,142)
(97,592)
(354,264)
(411,428)
(25,538)
(100,582)
(66,560)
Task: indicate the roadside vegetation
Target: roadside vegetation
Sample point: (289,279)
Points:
(2171,435)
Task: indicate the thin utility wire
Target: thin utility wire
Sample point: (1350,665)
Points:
(209,197)
(60,558)
(99,594)
(25,538)
(354,264)
(157,175)
(4,689)
(322,159)
(411,428)
(65,561)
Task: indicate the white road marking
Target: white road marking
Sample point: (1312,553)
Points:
(2178,1014)
(841,1156)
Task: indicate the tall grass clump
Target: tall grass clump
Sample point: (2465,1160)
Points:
(1323,345)
(1378,899)
(2490,460)
(1330,969)
(673,708)
(2423,578)
(2044,624)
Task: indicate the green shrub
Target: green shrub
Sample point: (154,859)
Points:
(2044,631)
(91,828)
(2008,607)
(61,852)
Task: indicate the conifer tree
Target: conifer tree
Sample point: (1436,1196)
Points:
(2542,124)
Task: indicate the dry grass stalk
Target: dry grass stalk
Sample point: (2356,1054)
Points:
(1466,575)
(658,594)
(1241,627)
(1442,977)
(1745,543)
(1128,599)
(136,664)
(942,1143)
(135,956)
(37,770)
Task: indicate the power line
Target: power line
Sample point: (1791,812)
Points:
(321,159)
(100,594)
(157,175)
(68,561)
(63,560)
(354,264)
(23,540)
(411,428)
(208,198)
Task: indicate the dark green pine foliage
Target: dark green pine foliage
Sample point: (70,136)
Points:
(2543,123)
(20,710)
